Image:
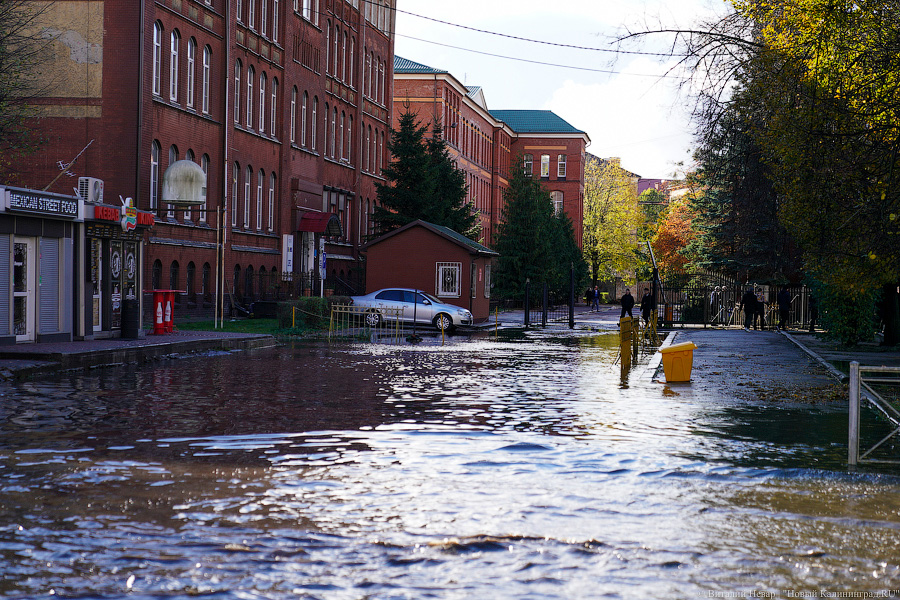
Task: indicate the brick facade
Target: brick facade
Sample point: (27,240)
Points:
(223,82)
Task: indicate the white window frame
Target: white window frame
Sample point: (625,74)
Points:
(448,279)
(314,126)
(204,164)
(273,109)
(235,207)
(260,178)
(207,77)
(263,82)
(154,174)
(191,72)
(556,197)
(528,164)
(293,124)
(157,59)
(274,20)
(561,166)
(251,76)
(545,166)
(174,47)
(248,174)
(272,183)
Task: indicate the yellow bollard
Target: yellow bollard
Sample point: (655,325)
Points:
(625,336)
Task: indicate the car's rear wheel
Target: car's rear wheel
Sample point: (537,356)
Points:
(373,318)
(443,322)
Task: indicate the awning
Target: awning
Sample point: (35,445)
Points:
(319,222)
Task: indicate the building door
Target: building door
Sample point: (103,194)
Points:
(24,288)
(97,283)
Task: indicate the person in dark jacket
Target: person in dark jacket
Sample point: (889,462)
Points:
(646,306)
(784,307)
(627,303)
(748,305)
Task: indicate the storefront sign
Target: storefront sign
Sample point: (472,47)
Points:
(41,204)
(128,217)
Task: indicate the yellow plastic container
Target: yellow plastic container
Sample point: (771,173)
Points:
(678,360)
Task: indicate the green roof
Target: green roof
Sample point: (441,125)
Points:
(534,121)
(460,238)
(404,65)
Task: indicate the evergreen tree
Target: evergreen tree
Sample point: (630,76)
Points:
(533,243)
(422,182)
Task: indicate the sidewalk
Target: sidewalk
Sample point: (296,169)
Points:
(25,360)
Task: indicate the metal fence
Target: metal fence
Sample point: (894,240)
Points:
(720,305)
(543,306)
(880,386)
(348,322)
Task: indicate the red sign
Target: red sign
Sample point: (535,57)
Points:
(145,218)
(107,213)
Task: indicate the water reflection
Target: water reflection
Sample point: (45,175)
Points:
(516,468)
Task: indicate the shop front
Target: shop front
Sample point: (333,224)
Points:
(113,249)
(37,233)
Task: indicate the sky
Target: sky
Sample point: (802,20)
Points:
(622,101)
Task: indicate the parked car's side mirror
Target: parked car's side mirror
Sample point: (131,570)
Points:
(426,302)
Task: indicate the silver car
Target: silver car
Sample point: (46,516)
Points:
(415,305)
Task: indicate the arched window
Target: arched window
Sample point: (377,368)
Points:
(156,275)
(191,72)
(235,174)
(336,41)
(154,176)
(251,75)
(367,84)
(239,11)
(173,65)
(248,282)
(381,75)
(273,112)
(207,76)
(189,282)
(380,155)
(325,131)
(238,69)
(235,282)
(189,155)
(303,119)
(157,58)
(333,131)
(344,57)
(272,182)
(173,156)
(263,80)
(204,164)
(366,150)
(350,81)
(293,128)
(204,281)
(314,122)
(248,177)
(173,275)
(260,177)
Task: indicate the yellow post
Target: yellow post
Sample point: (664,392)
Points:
(625,341)
(635,336)
(496,322)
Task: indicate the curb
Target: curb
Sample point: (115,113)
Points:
(841,377)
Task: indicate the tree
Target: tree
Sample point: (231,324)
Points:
(533,243)
(611,219)
(23,51)
(422,182)
(672,240)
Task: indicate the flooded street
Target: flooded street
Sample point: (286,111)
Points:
(523,467)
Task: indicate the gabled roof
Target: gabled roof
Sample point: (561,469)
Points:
(477,95)
(534,121)
(445,232)
(404,65)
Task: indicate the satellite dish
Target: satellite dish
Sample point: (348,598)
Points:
(184,184)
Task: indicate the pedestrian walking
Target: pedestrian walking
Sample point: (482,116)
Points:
(784,307)
(595,299)
(759,319)
(748,305)
(646,306)
(627,303)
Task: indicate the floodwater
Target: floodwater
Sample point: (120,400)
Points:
(524,467)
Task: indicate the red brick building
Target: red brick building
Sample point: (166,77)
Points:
(485,143)
(285,104)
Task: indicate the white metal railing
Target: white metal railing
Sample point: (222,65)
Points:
(860,386)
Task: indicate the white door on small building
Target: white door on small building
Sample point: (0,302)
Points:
(24,287)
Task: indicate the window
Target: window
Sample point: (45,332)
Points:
(273,113)
(173,66)
(350,139)
(333,129)
(325,131)
(262,102)
(350,81)
(545,165)
(154,176)
(557,199)
(344,57)
(191,71)
(487,281)
(259,198)
(448,279)
(188,156)
(272,182)
(313,122)
(251,75)
(248,176)
(341,133)
(157,58)
(561,166)
(238,68)
(303,119)
(337,42)
(156,275)
(473,279)
(204,280)
(274,20)
(235,173)
(207,75)
(204,164)
(239,10)
(189,281)
(527,165)
(173,275)
(293,127)
(307,9)
(328,47)
(263,16)
(251,14)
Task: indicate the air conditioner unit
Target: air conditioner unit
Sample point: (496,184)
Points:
(91,189)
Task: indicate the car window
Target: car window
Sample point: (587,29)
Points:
(422,298)
(432,298)
(408,296)
(391,295)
